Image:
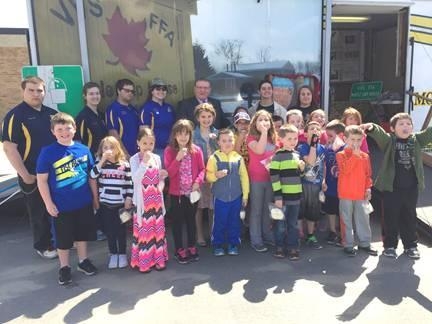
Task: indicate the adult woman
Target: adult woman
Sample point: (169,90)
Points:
(305,101)
(266,101)
(90,122)
(158,115)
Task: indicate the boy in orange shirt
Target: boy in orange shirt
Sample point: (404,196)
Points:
(354,183)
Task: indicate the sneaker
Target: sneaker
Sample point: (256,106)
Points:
(181,256)
(369,250)
(100,236)
(87,267)
(349,251)
(293,255)
(279,253)
(47,254)
(218,251)
(312,242)
(122,261)
(233,250)
(412,253)
(65,276)
(260,248)
(113,261)
(390,252)
(334,239)
(193,254)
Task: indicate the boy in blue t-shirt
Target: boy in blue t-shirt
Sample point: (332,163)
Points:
(62,177)
(310,207)
(335,131)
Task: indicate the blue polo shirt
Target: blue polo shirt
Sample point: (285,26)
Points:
(125,120)
(91,128)
(160,118)
(30,129)
(68,170)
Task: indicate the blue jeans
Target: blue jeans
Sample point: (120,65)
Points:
(285,231)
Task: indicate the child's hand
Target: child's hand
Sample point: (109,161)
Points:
(163,173)
(108,154)
(368,194)
(52,209)
(212,136)
(262,128)
(221,173)
(366,127)
(195,187)
(337,144)
(244,202)
(128,203)
(324,187)
(278,203)
(181,154)
(301,165)
(96,204)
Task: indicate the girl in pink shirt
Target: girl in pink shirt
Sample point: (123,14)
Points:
(261,147)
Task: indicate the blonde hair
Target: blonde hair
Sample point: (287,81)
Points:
(351,111)
(119,156)
(294,112)
(180,126)
(286,129)
(62,118)
(204,107)
(353,130)
(253,130)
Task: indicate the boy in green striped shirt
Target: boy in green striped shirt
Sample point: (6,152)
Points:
(286,170)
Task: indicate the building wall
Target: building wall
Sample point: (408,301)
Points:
(13,55)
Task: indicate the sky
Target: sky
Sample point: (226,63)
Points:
(13,14)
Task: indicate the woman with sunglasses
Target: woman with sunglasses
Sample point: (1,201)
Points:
(158,115)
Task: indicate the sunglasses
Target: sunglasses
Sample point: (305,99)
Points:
(160,88)
(129,90)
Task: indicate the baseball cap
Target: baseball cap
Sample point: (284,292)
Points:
(241,115)
(157,82)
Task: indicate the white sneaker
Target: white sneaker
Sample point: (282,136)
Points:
(47,254)
(113,261)
(122,262)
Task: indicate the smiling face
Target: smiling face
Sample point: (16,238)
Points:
(159,93)
(305,97)
(205,119)
(202,90)
(92,97)
(183,139)
(64,133)
(266,91)
(319,117)
(296,120)
(146,143)
(403,128)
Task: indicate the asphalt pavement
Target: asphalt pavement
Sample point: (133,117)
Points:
(324,286)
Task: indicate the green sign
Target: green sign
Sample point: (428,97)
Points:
(63,86)
(366,90)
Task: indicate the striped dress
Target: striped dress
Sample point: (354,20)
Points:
(149,245)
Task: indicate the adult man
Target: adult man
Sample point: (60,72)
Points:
(26,129)
(122,118)
(186,107)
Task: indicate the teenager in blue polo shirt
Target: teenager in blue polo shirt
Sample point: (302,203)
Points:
(26,129)
(90,122)
(158,114)
(122,118)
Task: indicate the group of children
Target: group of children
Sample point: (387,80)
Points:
(304,171)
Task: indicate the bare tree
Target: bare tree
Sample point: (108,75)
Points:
(263,54)
(230,49)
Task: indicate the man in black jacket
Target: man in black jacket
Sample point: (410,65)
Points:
(186,107)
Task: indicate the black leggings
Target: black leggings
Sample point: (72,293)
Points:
(114,229)
(183,212)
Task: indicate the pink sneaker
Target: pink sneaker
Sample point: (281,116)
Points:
(193,254)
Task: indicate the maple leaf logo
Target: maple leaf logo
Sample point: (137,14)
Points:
(127,42)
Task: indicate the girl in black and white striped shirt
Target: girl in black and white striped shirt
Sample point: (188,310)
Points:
(114,185)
